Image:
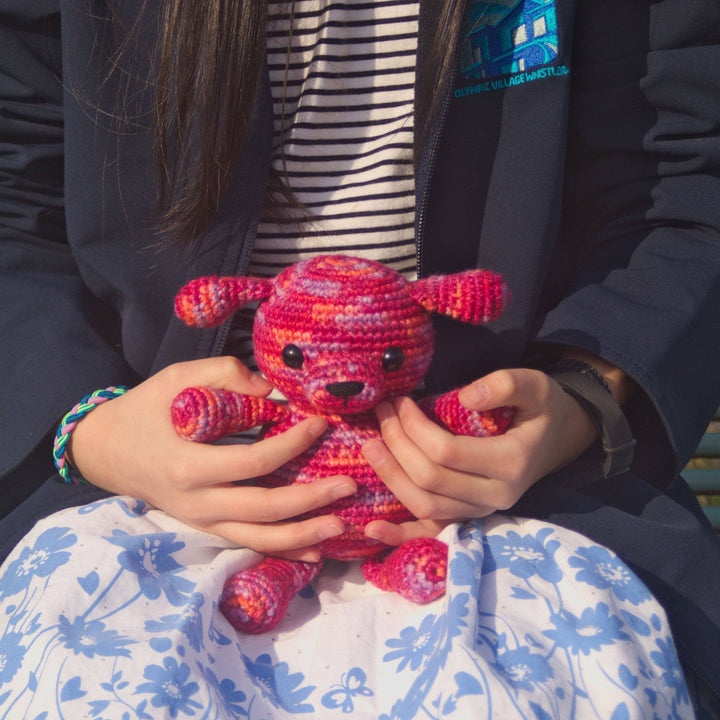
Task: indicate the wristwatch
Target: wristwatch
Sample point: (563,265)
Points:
(584,383)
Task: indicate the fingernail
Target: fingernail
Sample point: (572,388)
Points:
(475,394)
(329,531)
(341,490)
(373,452)
(383,411)
(259,382)
(316,427)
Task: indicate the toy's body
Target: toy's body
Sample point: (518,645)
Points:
(336,335)
(337,452)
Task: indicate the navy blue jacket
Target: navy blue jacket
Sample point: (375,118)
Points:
(585,169)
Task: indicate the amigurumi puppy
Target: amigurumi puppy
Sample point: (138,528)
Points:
(336,335)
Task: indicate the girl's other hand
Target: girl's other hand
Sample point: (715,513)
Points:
(443,477)
(129,446)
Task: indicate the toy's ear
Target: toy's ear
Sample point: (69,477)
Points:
(474,296)
(209,301)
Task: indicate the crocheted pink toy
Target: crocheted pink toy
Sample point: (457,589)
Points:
(336,335)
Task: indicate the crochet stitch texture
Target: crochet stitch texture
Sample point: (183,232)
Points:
(337,335)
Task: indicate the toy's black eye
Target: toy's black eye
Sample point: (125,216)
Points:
(292,356)
(393,358)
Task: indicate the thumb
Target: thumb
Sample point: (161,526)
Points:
(475,396)
(519,387)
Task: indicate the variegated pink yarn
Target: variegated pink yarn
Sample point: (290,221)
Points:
(337,335)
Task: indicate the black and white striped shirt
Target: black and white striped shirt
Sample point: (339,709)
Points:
(345,129)
(343,102)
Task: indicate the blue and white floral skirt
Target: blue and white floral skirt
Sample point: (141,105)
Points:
(110,611)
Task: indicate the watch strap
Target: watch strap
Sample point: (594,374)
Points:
(617,441)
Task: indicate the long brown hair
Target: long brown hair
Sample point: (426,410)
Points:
(210,55)
(209,58)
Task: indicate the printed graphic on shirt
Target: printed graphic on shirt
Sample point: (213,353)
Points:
(505,37)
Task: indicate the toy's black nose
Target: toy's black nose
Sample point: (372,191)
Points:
(345,389)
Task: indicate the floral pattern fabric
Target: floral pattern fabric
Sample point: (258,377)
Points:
(110,611)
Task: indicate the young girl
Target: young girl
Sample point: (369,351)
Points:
(571,147)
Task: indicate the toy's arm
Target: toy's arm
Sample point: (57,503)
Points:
(203,414)
(448,411)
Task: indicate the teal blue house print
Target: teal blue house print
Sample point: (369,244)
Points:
(508,36)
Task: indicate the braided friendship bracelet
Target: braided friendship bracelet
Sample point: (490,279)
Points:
(67,425)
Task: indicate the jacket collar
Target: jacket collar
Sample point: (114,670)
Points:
(432,102)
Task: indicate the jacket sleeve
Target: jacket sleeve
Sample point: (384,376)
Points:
(58,341)
(639,255)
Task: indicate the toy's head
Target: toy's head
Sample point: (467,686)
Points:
(338,334)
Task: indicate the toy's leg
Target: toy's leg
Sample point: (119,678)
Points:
(255,600)
(416,570)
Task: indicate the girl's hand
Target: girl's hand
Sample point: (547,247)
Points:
(442,477)
(129,446)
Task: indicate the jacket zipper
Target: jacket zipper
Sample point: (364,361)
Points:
(224,330)
(432,148)
(220,339)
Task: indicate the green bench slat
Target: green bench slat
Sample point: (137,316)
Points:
(703,481)
(706,481)
(709,445)
(713,515)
